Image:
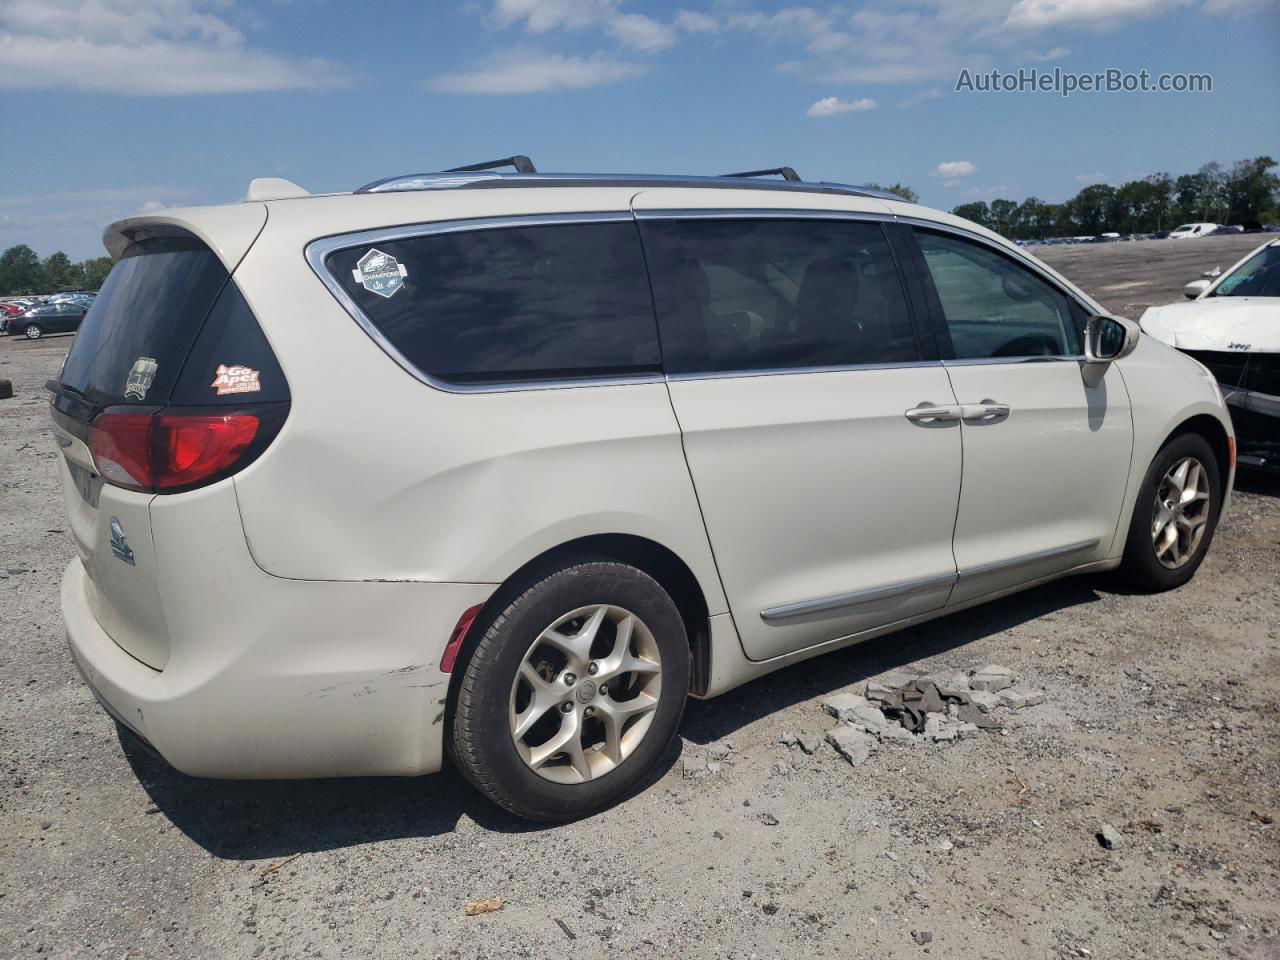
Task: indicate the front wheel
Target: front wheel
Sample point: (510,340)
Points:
(1175,516)
(573,693)
(33,332)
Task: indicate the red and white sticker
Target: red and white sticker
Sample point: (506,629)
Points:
(236,379)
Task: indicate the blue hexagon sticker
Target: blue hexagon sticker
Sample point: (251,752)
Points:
(380,273)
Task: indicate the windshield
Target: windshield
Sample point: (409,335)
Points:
(1259,276)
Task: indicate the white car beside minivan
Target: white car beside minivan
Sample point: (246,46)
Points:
(503,467)
(1190,231)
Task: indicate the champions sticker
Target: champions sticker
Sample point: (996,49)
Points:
(141,375)
(380,273)
(236,379)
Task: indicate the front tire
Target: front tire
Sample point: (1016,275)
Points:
(1175,516)
(573,693)
(33,332)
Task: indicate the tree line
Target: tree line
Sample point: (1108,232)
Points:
(23,272)
(1248,191)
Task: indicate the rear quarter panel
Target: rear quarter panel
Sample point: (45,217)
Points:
(378,476)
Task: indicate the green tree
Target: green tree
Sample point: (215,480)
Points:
(978,212)
(1002,214)
(1250,190)
(905,192)
(95,272)
(20,271)
(59,273)
(1092,208)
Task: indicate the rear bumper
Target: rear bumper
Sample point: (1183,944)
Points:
(300,679)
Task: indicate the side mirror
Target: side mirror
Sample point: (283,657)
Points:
(1195,288)
(1109,338)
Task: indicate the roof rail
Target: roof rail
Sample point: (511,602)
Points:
(521,163)
(787,173)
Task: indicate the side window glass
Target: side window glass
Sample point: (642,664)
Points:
(994,307)
(742,295)
(510,304)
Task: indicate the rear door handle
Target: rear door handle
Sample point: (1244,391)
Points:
(986,410)
(928,412)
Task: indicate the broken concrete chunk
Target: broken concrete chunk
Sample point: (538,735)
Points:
(842,705)
(893,733)
(984,701)
(852,744)
(809,743)
(992,678)
(719,751)
(869,718)
(1110,837)
(877,692)
(1019,697)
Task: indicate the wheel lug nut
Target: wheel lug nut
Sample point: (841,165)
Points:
(589,712)
(604,689)
(566,707)
(570,679)
(593,668)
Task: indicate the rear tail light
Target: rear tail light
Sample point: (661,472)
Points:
(163,451)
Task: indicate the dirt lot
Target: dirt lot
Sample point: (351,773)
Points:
(1160,718)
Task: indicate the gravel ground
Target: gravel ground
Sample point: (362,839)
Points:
(1160,719)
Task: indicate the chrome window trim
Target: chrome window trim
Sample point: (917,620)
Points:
(317,251)
(842,601)
(783,371)
(762,213)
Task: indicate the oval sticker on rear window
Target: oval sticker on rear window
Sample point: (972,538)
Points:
(380,273)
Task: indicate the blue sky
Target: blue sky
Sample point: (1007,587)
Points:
(109,107)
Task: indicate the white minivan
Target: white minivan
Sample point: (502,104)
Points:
(1189,231)
(502,467)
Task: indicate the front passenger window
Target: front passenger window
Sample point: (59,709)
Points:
(994,307)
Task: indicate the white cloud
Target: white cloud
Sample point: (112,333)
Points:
(691,21)
(951,183)
(539,16)
(635,31)
(1057,53)
(1038,14)
(144,47)
(830,106)
(933,93)
(952,169)
(1097,177)
(532,71)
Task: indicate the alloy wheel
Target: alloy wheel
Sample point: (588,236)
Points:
(33,332)
(1181,513)
(585,694)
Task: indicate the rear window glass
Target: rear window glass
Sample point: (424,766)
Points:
(510,304)
(132,343)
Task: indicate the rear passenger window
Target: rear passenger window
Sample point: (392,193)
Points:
(742,295)
(512,303)
(995,308)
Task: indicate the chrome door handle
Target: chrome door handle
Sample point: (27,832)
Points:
(929,412)
(986,410)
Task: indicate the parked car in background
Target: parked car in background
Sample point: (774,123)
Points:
(1232,326)
(1190,230)
(617,440)
(47,318)
(1226,230)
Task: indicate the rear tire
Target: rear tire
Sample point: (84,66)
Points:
(1175,515)
(593,659)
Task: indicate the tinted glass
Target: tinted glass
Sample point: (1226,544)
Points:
(511,304)
(1259,276)
(144,320)
(231,363)
(776,294)
(995,307)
